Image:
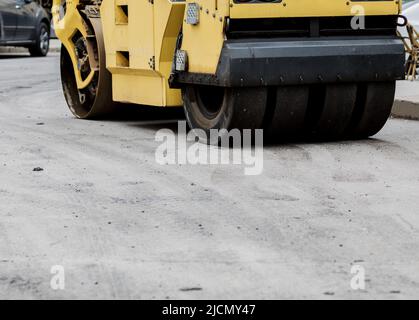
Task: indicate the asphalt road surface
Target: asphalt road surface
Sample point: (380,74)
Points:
(119,225)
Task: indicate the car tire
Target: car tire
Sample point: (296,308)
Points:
(41,47)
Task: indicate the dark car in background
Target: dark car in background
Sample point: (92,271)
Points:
(25,23)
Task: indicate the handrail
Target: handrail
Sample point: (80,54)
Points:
(411,43)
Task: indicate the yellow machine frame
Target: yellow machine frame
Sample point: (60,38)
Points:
(140,45)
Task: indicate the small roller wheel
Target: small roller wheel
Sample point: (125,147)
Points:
(335,111)
(95,100)
(373,108)
(208,107)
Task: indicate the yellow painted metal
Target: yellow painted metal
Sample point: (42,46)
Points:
(140,49)
(203,42)
(66,26)
(312,8)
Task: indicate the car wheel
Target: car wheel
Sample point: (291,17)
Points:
(41,47)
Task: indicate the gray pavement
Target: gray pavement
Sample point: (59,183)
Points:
(123,226)
(407,100)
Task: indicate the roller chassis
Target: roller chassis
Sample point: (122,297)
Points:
(321,88)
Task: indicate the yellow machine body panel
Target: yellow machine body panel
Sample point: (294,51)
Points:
(140,38)
(311,8)
(65,33)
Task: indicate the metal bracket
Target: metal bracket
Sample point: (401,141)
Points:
(152,62)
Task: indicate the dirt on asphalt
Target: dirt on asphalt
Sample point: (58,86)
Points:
(89,196)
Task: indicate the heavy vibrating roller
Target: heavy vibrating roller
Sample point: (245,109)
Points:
(298,69)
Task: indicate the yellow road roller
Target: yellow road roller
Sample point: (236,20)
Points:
(295,68)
